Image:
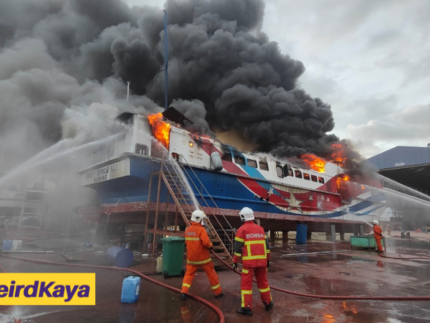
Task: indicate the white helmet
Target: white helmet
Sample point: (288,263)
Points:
(375,222)
(246,214)
(197,216)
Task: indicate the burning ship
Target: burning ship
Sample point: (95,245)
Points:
(222,180)
(202,172)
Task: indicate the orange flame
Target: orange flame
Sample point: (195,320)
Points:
(340,178)
(314,162)
(160,129)
(338,155)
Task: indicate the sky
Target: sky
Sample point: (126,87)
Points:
(370,60)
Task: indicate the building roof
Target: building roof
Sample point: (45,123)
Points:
(401,156)
(409,166)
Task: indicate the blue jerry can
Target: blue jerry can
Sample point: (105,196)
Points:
(130,290)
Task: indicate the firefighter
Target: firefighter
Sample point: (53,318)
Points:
(251,245)
(377,231)
(198,256)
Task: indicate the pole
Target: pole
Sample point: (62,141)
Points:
(128,90)
(166,60)
(156,213)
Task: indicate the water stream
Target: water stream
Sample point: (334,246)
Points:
(178,170)
(51,154)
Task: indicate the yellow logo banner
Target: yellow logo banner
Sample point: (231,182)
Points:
(47,289)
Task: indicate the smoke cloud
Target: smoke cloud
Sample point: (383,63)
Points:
(224,73)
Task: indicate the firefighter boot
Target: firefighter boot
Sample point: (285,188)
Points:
(183,297)
(245,311)
(268,306)
(219,295)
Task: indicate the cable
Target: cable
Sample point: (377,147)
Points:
(361,298)
(197,298)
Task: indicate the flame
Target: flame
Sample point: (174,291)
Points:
(340,178)
(338,155)
(329,318)
(160,129)
(314,162)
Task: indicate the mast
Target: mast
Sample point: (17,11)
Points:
(166,60)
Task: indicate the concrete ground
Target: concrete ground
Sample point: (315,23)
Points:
(339,271)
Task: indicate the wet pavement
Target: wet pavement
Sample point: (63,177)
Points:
(338,271)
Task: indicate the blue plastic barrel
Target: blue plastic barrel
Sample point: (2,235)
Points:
(120,257)
(7,245)
(130,290)
(302,230)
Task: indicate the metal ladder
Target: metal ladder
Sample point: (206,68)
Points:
(177,187)
(213,215)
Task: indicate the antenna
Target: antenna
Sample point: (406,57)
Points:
(166,60)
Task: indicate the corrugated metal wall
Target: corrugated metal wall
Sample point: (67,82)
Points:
(401,156)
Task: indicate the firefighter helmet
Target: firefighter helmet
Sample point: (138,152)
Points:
(246,214)
(197,216)
(375,222)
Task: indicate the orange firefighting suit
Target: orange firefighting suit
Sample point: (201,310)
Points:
(198,255)
(377,231)
(252,246)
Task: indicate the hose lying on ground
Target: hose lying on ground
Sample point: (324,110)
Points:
(360,298)
(197,298)
(383,255)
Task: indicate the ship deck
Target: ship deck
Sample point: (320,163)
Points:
(301,268)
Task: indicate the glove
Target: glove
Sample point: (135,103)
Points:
(235,266)
(268,263)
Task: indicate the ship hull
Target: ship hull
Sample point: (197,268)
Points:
(128,191)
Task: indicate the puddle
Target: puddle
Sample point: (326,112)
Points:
(297,276)
(407,243)
(316,258)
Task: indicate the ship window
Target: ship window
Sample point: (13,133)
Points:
(141,149)
(264,166)
(239,160)
(279,171)
(298,174)
(314,178)
(227,157)
(306,176)
(252,163)
(175,156)
(288,171)
(321,180)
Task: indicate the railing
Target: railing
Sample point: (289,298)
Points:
(178,185)
(204,200)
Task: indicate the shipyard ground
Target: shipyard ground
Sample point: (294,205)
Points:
(340,271)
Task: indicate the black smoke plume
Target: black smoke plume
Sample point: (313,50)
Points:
(59,53)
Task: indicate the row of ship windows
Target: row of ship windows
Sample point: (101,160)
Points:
(281,171)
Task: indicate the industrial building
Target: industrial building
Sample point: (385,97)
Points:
(406,170)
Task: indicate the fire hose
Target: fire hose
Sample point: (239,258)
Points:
(404,258)
(360,298)
(197,298)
